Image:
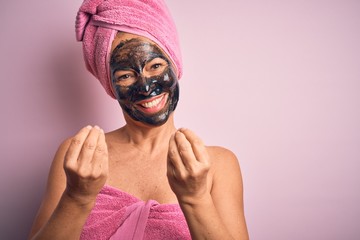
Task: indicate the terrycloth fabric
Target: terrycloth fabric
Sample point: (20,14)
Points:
(119,215)
(98,21)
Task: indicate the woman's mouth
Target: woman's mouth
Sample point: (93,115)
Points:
(154,104)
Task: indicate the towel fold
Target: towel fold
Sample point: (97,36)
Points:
(98,21)
(119,215)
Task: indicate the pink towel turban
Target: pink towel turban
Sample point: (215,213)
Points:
(98,21)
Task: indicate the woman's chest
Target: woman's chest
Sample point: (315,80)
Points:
(141,175)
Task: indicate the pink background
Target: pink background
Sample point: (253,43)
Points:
(277,82)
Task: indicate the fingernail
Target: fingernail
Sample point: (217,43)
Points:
(97,127)
(88,127)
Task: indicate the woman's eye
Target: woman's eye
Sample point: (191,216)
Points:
(125,76)
(156,66)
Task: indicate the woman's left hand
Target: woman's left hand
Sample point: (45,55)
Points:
(188,167)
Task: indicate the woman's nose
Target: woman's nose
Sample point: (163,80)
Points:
(146,85)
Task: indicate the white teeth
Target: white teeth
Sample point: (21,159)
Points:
(152,103)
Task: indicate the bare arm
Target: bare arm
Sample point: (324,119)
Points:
(208,185)
(78,172)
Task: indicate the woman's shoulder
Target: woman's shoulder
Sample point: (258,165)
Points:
(56,169)
(221,155)
(223,162)
(61,152)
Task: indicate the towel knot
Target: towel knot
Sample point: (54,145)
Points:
(136,217)
(86,11)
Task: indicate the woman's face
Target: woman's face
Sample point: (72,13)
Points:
(143,79)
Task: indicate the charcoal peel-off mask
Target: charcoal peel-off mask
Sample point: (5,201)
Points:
(144,81)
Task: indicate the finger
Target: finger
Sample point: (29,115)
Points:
(75,146)
(100,158)
(89,146)
(185,150)
(174,159)
(197,145)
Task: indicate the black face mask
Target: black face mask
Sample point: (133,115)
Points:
(145,93)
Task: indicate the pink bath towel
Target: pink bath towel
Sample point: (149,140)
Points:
(98,21)
(119,215)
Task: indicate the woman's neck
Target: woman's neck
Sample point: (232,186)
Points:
(147,137)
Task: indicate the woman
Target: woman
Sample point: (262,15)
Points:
(146,180)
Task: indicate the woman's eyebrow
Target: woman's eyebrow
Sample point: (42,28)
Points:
(120,68)
(155,57)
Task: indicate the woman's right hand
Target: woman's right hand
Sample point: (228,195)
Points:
(86,165)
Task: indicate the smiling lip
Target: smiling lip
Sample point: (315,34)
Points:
(154,104)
